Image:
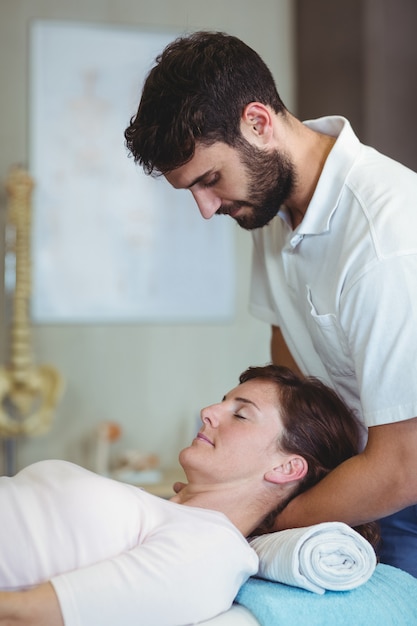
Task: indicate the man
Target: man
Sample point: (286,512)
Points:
(334,264)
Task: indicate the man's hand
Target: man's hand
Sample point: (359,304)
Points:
(34,607)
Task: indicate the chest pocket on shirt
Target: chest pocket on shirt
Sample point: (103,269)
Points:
(329,340)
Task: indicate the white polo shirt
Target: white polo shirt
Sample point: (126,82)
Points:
(343,285)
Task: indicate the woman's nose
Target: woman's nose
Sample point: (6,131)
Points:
(209,416)
(207,202)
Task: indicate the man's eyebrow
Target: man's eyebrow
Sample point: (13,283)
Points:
(199,179)
(245,400)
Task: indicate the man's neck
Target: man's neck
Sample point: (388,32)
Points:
(312,150)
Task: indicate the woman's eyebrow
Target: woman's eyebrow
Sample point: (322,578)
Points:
(247,401)
(244,400)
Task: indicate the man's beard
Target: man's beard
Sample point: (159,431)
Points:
(271,179)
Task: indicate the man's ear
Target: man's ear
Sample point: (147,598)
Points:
(256,124)
(293,468)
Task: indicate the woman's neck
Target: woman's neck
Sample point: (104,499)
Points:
(246,505)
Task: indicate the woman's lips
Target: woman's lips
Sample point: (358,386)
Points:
(204,438)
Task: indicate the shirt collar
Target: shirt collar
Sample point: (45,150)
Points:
(332,179)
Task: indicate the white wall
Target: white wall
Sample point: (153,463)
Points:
(152,379)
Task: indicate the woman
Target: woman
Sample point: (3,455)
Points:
(103,552)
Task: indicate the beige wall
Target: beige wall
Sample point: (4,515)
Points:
(152,379)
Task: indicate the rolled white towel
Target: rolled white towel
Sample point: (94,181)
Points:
(328,556)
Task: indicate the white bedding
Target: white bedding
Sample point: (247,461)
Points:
(236,616)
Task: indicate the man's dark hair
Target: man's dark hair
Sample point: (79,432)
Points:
(197,91)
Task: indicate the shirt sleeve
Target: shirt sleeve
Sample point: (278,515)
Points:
(178,576)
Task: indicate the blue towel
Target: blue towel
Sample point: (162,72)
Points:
(388,598)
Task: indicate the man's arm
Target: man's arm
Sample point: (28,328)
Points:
(377,482)
(280,352)
(34,607)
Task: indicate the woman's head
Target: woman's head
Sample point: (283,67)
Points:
(278,430)
(197,92)
(274,420)
(317,424)
(237,444)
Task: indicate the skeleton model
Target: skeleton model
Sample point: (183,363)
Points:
(28,392)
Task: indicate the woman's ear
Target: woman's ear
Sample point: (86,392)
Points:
(256,124)
(293,468)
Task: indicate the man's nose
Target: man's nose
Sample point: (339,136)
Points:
(207,202)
